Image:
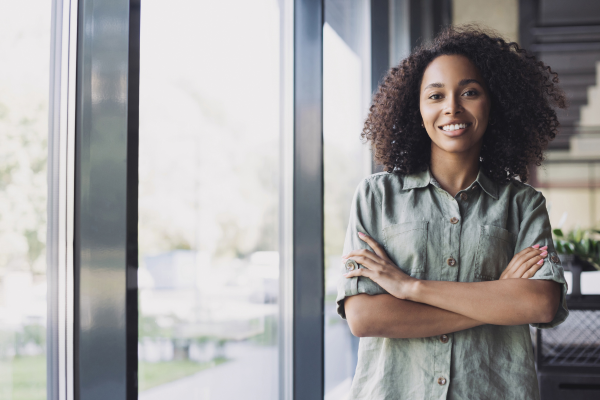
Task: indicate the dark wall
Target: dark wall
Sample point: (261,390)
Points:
(566,36)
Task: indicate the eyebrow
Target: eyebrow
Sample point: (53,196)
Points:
(463,82)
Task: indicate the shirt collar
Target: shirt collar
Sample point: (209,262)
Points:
(424,178)
(488,185)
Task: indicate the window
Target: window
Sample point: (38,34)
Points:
(208,200)
(24,71)
(346,97)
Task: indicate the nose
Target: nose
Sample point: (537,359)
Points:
(452,106)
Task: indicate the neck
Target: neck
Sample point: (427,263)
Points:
(454,171)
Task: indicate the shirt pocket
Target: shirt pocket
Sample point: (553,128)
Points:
(406,245)
(495,250)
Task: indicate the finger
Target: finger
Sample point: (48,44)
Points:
(527,265)
(367,262)
(531,272)
(362,253)
(520,258)
(379,250)
(526,255)
(359,272)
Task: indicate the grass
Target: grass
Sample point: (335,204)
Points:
(29,375)
(155,374)
(28,378)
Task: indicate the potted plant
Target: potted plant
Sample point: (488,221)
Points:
(578,252)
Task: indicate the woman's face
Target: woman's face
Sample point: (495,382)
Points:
(455,105)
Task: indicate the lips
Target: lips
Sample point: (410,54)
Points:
(455,128)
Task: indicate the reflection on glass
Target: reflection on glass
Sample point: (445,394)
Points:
(208,200)
(346,95)
(24,77)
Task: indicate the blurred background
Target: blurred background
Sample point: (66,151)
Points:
(210,173)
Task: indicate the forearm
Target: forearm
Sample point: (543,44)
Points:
(502,302)
(387,316)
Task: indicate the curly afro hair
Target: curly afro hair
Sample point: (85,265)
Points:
(522,119)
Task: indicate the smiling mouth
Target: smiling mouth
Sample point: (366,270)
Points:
(454,127)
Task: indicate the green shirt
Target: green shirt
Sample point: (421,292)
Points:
(470,237)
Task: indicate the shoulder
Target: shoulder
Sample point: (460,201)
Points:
(383,182)
(520,193)
(377,185)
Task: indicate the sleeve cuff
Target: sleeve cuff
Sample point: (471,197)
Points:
(353,286)
(554,273)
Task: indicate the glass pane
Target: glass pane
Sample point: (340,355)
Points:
(208,200)
(346,96)
(24,78)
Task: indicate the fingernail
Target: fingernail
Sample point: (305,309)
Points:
(361,234)
(540,262)
(544,248)
(544,253)
(535,246)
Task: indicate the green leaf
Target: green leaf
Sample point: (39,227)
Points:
(578,235)
(559,247)
(558,232)
(587,245)
(569,248)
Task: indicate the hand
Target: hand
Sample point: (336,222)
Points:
(525,263)
(380,269)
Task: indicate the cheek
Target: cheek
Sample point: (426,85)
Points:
(428,115)
(483,111)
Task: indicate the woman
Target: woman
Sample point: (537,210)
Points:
(449,254)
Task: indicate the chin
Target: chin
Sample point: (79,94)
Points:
(455,147)
(462,144)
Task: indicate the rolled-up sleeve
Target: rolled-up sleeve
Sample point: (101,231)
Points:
(365,217)
(535,229)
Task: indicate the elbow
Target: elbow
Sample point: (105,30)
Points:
(359,321)
(358,326)
(548,312)
(357,329)
(549,304)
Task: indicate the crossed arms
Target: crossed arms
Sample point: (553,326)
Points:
(420,308)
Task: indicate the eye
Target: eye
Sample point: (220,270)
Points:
(471,92)
(435,96)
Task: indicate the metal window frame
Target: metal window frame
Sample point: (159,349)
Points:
(105,206)
(60,233)
(303,202)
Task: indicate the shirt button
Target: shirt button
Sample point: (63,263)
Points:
(441,381)
(464,196)
(451,261)
(444,338)
(554,259)
(351,265)
(454,220)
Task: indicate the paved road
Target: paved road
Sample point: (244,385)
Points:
(251,375)
(253,372)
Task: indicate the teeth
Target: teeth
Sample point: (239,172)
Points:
(453,127)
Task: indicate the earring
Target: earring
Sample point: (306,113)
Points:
(422,126)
